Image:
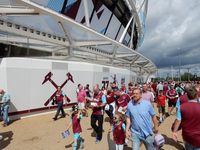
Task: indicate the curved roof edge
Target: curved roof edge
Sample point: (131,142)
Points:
(78,42)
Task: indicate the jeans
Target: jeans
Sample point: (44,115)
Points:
(190,147)
(60,108)
(5,114)
(148,142)
(119,147)
(98,129)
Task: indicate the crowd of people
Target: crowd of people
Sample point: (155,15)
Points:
(131,111)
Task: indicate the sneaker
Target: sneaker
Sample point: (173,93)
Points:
(160,120)
(82,144)
(97,141)
(163,118)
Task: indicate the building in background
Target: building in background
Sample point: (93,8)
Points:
(94,40)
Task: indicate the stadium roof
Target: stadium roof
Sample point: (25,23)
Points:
(28,24)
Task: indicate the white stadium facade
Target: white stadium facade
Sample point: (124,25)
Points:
(96,41)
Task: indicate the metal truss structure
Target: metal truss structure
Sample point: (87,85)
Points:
(25,23)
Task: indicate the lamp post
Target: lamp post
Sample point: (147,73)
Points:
(172,73)
(188,76)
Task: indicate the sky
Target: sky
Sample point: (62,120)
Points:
(172,34)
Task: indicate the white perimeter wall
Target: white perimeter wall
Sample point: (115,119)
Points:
(22,78)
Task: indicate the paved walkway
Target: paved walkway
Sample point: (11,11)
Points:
(42,133)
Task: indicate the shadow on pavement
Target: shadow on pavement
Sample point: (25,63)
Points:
(7,138)
(170,141)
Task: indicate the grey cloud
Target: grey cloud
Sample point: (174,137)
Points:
(172,32)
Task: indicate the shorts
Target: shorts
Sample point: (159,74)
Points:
(161,109)
(170,104)
(81,106)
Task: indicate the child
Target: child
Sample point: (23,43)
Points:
(119,131)
(76,116)
(161,99)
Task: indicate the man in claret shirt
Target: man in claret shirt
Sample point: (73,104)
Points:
(110,105)
(154,85)
(172,96)
(165,88)
(60,95)
(130,90)
(122,101)
(182,99)
(98,112)
(190,121)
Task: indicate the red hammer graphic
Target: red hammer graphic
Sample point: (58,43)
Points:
(48,78)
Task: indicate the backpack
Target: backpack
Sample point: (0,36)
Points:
(159,141)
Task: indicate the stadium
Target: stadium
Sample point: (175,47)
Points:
(84,58)
(96,41)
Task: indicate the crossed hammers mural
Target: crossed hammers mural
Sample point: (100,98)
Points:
(48,78)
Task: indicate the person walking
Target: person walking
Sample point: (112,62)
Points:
(159,87)
(75,119)
(189,121)
(147,95)
(60,95)
(97,112)
(161,100)
(122,100)
(87,90)
(172,96)
(81,99)
(118,129)
(139,117)
(5,105)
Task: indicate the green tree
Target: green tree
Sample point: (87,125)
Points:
(187,76)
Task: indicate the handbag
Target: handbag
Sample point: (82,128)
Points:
(159,141)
